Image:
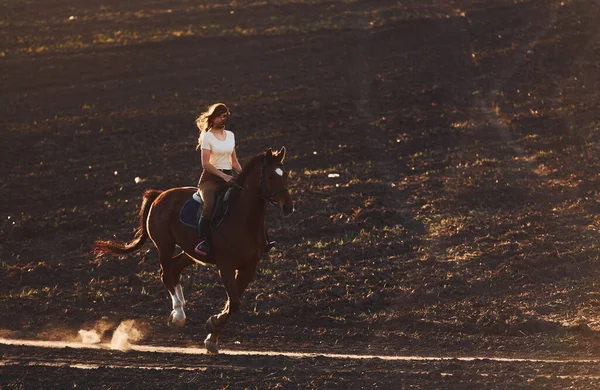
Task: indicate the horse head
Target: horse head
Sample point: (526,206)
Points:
(274,178)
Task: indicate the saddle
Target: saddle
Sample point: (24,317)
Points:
(192,209)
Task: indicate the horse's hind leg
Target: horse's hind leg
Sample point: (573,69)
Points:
(179,263)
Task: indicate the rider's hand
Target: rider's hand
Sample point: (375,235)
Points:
(228,179)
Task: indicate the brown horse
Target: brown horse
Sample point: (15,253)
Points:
(238,242)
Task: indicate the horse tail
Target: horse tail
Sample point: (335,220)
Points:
(141,234)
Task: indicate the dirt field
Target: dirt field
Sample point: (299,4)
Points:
(444,161)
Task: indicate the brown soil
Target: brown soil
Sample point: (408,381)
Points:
(463,221)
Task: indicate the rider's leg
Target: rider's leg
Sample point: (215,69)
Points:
(207,192)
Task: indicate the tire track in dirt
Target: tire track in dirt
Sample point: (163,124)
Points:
(484,107)
(62,364)
(202,351)
(99,362)
(92,366)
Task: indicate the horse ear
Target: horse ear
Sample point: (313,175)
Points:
(269,152)
(281,154)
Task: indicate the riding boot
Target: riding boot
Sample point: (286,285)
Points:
(270,244)
(203,248)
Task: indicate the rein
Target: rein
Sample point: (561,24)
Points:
(269,198)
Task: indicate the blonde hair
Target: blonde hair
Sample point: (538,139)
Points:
(204,121)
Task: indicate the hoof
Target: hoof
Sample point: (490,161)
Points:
(177,319)
(211,346)
(210,324)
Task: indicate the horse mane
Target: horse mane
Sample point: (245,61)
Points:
(241,179)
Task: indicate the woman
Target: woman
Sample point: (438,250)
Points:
(217,146)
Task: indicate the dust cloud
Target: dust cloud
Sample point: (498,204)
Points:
(89,336)
(95,335)
(128,331)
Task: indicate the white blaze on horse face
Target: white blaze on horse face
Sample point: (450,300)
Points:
(279,171)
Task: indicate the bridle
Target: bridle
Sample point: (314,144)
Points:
(268,197)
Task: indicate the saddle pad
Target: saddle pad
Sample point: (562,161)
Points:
(189,212)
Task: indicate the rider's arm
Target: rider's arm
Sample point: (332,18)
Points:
(235,164)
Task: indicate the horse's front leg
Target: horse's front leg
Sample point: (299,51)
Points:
(235,286)
(217,322)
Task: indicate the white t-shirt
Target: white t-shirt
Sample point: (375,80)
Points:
(220,151)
